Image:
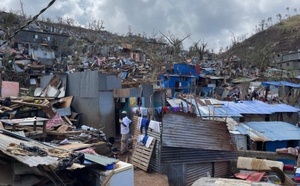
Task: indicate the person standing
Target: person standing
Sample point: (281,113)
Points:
(124,122)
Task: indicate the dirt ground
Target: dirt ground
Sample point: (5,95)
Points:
(142,178)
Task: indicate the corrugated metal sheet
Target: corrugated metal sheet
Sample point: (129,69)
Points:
(155,158)
(97,108)
(106,113)
(258,107)
(270,131)
(107,82)
(88,84)
(208,110)
(175,173)
(188,155)
(281,83)
(31,161)
(187,131)
(195,171)
(221,169)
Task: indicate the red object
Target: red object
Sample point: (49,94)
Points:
(164,110)
(254,176)
(288,167)
(197,69)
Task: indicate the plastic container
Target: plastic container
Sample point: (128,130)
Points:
(110,166)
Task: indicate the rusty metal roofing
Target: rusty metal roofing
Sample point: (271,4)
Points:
(269,130)
(31,161)
(258,107)
(184,155)
(189,131)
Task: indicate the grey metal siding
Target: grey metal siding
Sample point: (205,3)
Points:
(88,84)
(187,131)
(73,85)
(98,108)
(188,155)
(195,171)
(108,82)
(113,82)
(107,113)
(175,172)
(147,93)
(155,158)
(221,169)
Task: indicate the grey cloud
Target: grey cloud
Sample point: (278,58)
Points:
(210,20)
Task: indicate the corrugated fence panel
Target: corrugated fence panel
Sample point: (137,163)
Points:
(221,169)
(187,131)
(185,155)
(88,84)
(195,171)
(107,113)
(175,172)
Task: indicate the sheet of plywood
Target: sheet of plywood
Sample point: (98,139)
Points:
(75,146)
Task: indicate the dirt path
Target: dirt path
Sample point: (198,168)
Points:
(142,178)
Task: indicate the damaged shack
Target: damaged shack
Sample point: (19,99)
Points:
(188,147)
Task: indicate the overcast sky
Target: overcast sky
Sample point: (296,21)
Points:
(214,21)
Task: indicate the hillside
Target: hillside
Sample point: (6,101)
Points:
(279,38)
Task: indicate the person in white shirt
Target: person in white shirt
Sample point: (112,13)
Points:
(124,123)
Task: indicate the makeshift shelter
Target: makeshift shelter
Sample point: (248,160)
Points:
(188,147)
(269,136)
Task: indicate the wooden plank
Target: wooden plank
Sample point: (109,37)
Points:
(66,102)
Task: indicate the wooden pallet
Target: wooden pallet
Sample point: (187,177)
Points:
(141,155)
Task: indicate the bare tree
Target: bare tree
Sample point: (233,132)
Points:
(69,21)
(270,21)
(288,12)
(176,43)
(279,17)
(262,25)
(233,39)
(96,24)
(199,48)
(59,20)
(129,30)
(221,50)
(22,9)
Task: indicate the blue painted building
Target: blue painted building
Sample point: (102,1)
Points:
(179,83)
(271,135)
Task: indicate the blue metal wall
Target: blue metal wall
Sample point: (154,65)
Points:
(273,145)
(184,69)
(169,81)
